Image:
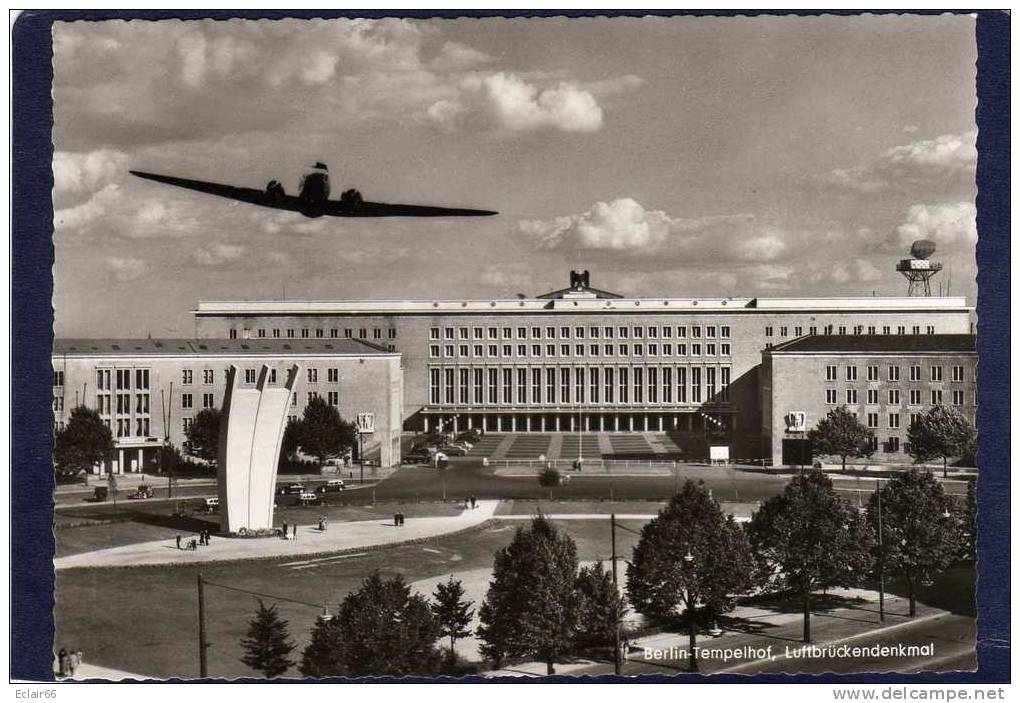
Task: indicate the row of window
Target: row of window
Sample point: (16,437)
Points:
(490,351)
(309,333)
(842,330)
(893,373)
(914,397)
(251,376)
(123,379)
(564,385)
(581,332)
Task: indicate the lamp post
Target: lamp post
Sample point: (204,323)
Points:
(881,557)
(692,626)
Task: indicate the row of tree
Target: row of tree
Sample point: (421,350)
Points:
(690,566)
(86,440)
(942,432)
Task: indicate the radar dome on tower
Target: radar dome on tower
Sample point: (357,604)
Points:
(922,248)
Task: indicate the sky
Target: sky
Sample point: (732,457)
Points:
(679,157)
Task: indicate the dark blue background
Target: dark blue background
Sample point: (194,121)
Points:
(32,323)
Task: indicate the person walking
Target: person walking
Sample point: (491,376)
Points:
(72,663)
(178,541)
(285,530)
(474,502)
(208,537)
(62,662)
(295,530)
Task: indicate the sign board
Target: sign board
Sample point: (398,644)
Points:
(796,421)
(719,453)
(366,423)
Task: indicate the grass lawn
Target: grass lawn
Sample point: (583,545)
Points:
(146,525)
(573,507)
(145,619)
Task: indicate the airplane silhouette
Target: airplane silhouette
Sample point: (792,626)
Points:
(313,198)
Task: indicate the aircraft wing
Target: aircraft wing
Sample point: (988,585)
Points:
(244,195)
(340,208)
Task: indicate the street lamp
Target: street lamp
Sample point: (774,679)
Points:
(692,659)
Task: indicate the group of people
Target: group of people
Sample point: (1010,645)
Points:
(204,537)
(290,531)
(322,523)
(470,502)
(68,662)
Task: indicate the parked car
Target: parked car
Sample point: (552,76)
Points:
(290,490)
(308,498)
(416,457)
(141,493)
(471,436)
(461,443)
(332,486)
(453,450)
(212,505)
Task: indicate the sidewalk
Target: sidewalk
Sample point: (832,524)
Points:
(338,537)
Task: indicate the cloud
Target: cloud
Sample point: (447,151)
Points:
(126,268)
(952,226)
(218,254)
(454,56)
(625,228)
(507,102)
(509,279)
(946,158)
(75,173)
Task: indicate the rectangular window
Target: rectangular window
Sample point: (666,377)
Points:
(623,385)
(782,331)
(915,396)
(667,382)
(695,385)
(639,333)
(186,377)
(333,398)
(207,376)
(695,350)
(564,333)
(463,386)
(798,331)
(522,386)
(608,387)
(873,420)
(894,373)
(851,373)
(313,375)
(681,350)
(710,383)
(724,383)
(207,401)
(186,402)
(349,333)
(493,386)
(312,395)
(508,349)
(639,350)
(667,332)
(550,385)
(550,333)
(653,385)
(463,333)
(936,373)
(872,396)
(894,421)
(272,375)
(508,386)
(653,332)
(709,350)
(434,351)
(447,333)
(478,333)
(536,385)
(894,396)
(893,445)
(830,373)
(624,332)
(851,396)
(593,350)
(872,373)
(249,376)
(696,331)
(550,350)
(957,374)
(564,385)
(638,384)
(536,332)
(957,397)
(768,331)
(681,385)
(724,332)
(493,333)
(493,350)
(681,332)
(578,385)
(448,389)
(915,373)
(522,333)
(667,349)
(479,392)
(936,397)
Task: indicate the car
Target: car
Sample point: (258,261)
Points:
(453,450)
(471,436)
(291,489)
(462,443)
(334,485)
(307,497)
(141,493)
(212,504)
(416,457)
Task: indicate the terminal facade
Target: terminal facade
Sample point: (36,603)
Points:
(887,381)
(149,390)
(583,359)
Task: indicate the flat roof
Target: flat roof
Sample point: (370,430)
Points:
(233,347)
(538,305)
(865,343)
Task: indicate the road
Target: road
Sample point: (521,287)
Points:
(466,476)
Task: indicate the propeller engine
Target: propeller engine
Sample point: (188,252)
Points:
(350,197)
(274,189)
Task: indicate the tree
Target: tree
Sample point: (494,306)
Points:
(921,528)
(452,612)
(808,537)
(530,609)
(600,607)
(83,442)
(323,655)
(549,478)
(942,432)
(381,630)
(691,554)
(322,433)
(267,646)
(204,434)
(841,434)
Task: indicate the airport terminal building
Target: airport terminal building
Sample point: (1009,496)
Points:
(583,359)
(148,390)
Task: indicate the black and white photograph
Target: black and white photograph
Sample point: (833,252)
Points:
(512,348)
